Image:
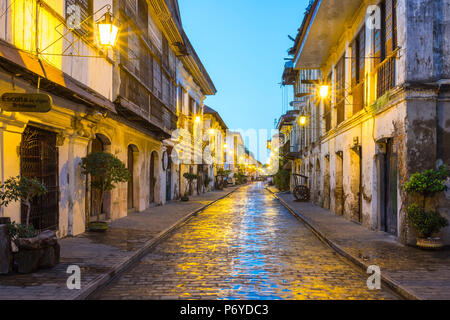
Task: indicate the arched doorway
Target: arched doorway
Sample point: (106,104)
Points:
(199,179)
(168,178)
(339,184)
(131,188)
(326,183)
(317,182)
(100,144)
(153,176)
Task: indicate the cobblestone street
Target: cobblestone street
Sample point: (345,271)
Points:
(246,246)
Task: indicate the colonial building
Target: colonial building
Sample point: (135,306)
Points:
(386,66)
(194,84)
(216,130)
(120,99)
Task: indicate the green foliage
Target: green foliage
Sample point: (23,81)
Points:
(23,189)
(190,176)
(105,169)
(426,223)
(282,179)
(240,178)
(20,230)
(223,173)
(20,188)
(428,182)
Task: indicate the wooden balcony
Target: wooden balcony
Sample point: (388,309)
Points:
(138,104)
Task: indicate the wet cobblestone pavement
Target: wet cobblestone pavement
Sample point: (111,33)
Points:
(246,246)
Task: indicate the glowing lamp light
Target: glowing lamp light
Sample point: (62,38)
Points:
(198,119)
(107,31)
(323,91)
(302,120)
(225,146)
(211,131)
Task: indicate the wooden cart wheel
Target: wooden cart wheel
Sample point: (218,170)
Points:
(301,193)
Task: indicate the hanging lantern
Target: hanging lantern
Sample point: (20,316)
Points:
(107,31)
(323,91)
(302,120)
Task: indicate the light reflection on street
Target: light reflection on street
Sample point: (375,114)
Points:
(246,246)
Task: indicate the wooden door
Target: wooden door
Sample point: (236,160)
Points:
(130,193)
(39,159)
(152,178)
(391,190)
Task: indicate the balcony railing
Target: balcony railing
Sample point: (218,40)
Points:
(386,75)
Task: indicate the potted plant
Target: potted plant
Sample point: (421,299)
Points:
(190,177)
(105,171)
(422,214)
(221,178)
(30,249)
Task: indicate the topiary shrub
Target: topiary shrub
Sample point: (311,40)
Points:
(282,179)
(426,184)
(106,171)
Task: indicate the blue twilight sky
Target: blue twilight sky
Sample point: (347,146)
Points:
(242,44)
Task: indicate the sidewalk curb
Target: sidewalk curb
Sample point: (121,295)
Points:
(390,283)
(104,279)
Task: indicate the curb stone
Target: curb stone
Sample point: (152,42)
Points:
(389,282)
(103,280)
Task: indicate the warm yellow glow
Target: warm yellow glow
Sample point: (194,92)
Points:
(302,120)
(323,91)
(225,146)
(107,31)
(212,131)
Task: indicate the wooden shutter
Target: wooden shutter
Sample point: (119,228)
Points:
(355,62)
(340,90)
(389,28)
(362,53)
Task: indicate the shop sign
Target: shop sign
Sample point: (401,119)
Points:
(25,102)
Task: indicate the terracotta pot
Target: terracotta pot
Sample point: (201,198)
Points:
(430,243)
(98,226)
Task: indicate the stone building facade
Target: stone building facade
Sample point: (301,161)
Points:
(387,65)
(121,100)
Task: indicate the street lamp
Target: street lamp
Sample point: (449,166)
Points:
(211,131)
(198,119)
(323,91)
(107,31)
(302,120)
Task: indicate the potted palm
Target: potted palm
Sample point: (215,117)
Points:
(422,213)
(190,177)
(105,171)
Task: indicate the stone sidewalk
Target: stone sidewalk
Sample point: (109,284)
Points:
(411,272)
(101,256)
